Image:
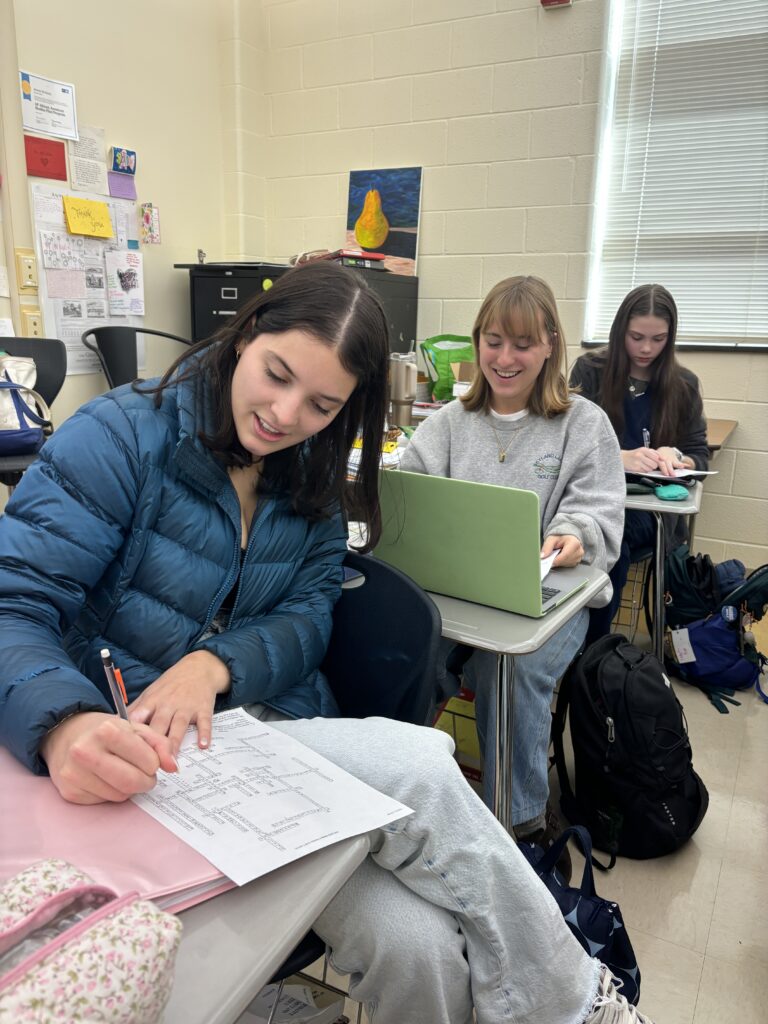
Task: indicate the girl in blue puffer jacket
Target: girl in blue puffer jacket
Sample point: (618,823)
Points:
(195,526)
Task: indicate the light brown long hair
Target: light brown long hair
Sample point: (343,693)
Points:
(521,306)
(671,392)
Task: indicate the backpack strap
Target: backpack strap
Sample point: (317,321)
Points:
(18,399)
(567,798)
(552,855)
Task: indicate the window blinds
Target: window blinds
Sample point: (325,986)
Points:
(682,195)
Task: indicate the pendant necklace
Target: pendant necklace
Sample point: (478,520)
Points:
(502,451)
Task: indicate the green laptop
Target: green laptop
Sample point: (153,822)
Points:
(477,542)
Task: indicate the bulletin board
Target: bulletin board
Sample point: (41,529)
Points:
(86,282)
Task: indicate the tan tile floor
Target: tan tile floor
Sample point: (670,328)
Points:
(698,919)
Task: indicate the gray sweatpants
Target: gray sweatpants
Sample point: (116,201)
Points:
(445,914)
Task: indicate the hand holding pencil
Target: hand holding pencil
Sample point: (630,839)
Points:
(94,757)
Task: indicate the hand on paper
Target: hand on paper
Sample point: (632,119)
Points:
(182,696)
(669,458)
(645,460)
(95,757)
(570,550)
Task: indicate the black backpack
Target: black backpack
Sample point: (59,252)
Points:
(694,586)
(635,787)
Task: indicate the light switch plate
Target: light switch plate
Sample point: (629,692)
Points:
(26,270)
(31,322)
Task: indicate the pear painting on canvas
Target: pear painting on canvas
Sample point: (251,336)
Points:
(383,215)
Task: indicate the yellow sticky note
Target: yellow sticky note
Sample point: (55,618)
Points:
(87,217)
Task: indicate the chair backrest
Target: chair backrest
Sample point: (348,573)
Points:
(50,355)
(116,348)
(383,654)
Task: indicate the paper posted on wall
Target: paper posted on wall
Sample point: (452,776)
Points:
(87,162)
(73,279)
(257,799)
(125,282)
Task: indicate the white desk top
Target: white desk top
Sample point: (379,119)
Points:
(491,629)
(232,944)
(650,503)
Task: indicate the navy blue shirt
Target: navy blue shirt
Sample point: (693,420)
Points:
(638,416)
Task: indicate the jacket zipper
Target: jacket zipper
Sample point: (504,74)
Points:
(215,604)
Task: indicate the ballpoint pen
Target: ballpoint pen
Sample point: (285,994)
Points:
(115,680)
(646,437)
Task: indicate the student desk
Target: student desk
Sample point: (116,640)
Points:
(233,943)
(658,507)
(718,432)
(508,635)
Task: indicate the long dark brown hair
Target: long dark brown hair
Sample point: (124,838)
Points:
(671,392)
(336,307)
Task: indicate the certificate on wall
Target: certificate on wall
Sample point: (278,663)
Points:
(48,106)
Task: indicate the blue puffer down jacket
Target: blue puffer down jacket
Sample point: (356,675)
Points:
(126,534)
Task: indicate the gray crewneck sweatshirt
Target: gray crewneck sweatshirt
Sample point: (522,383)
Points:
(572,461)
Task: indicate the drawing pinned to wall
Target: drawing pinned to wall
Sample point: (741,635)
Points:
(125,282)
(61,251)
(150,224)
(383,215)
(123,161)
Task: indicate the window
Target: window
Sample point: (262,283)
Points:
(682,179)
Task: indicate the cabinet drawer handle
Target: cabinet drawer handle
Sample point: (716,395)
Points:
(224,312)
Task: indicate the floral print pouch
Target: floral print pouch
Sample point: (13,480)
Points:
(75,951)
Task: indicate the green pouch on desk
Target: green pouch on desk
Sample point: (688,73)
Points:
(671,492)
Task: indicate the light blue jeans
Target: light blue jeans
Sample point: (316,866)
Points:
(535,678)
(445,914)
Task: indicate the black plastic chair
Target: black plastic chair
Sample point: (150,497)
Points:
(50,356)
(382,660)
(117,352)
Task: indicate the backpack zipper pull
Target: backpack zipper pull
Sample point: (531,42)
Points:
(611,730)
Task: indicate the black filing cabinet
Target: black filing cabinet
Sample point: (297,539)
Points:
(218,290)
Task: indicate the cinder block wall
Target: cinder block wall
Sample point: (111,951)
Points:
(498,100)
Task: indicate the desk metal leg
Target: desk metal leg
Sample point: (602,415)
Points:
(658,597)
(505,714)
(691,531)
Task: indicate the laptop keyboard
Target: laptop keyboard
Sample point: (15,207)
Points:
(547,593)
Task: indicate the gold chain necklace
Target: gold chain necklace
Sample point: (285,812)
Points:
(502,451)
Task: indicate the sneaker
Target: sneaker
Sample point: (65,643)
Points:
(610,1006)
(544,837)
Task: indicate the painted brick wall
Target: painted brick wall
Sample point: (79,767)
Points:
(498,100)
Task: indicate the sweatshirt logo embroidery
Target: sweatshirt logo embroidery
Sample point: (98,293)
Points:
(547,467)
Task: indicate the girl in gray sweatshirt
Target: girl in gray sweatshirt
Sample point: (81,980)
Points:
(519,426)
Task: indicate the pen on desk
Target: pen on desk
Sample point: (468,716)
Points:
(115,680)
(646,437)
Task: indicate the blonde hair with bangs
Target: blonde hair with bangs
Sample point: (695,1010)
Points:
(512,304)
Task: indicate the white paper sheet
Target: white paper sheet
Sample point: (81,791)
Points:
(48,105)
(679,474)
(546,563)
(87,161)
(125,282)
(257,799)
